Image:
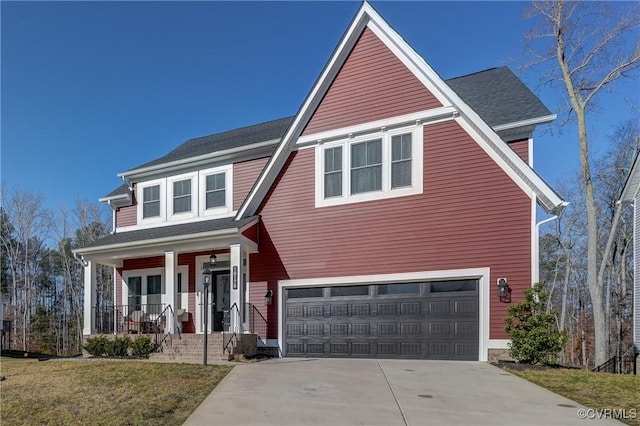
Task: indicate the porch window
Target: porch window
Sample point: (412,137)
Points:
(182,196)
(215,191)
(151,201)
(135,293)
(154,293)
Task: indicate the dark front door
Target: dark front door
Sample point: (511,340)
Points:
(220,295)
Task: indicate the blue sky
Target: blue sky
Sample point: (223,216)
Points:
(91,89)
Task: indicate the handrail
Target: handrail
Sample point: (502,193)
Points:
(262,327)
(228,326)
(158,326)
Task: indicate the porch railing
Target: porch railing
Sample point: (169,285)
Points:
(231,323)
(256,321)
(130,319)
(618,365)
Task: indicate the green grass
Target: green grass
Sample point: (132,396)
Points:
(103,392)
(593,390)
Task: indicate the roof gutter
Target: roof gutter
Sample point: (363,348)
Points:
(524,123)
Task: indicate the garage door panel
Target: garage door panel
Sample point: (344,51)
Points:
(442,325)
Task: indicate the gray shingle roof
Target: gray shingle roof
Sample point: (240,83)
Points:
(226,140)
(142,235)
(498,96)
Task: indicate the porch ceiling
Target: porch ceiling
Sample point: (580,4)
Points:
(193,236)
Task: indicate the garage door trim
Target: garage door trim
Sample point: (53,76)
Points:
(481,274)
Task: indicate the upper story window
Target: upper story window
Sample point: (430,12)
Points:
(205,193)
(182,196)
(369,167)
(215,191)
(151,201)
(216,194)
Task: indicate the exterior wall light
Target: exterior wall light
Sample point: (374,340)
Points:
(504,292)
(268,298)
(212,260)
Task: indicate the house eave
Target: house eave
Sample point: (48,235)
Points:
(228,154)
(532,122)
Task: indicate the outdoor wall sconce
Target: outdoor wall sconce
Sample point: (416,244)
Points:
(268,298)
(235,277)
(212,260)
(504,292)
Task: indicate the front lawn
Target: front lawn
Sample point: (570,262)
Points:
(593,390)
(103,392)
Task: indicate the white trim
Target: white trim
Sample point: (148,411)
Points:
(386,191)
(162,183)
(483,275)
(193,161)
(223,211)
(523,123)
(420,117)
(499,343)
(192,177)
(143,274)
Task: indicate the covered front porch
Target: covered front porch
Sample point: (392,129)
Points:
(159,286)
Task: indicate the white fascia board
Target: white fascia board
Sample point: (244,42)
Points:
(313,99)
(195,161)
(156,242)
(114,198)
(422,117)
(509,161)
(525,123)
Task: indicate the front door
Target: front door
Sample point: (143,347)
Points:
(220,297)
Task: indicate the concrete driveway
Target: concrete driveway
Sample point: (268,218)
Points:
(294,391)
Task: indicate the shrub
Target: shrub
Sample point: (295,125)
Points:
(532,330)
(141,347)
(118,347)
(96,346)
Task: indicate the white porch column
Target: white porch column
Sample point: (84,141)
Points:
(169,296)
(237,295)
(89,297)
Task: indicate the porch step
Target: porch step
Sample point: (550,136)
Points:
(190,348)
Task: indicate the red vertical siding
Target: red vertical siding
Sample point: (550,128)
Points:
(521,148)
(470,215)
(143,263)
(245,175)
(251,233)
(372,84)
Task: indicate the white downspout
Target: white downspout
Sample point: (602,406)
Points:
(536,269)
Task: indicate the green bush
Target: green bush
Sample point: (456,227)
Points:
(531,328)
(141,347)
(96,346)
(118,347)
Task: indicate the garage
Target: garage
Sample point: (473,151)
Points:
(425,320)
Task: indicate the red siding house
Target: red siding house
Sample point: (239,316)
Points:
(376,222)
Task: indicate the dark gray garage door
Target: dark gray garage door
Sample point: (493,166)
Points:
(429,320)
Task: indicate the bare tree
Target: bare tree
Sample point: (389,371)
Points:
(588,46)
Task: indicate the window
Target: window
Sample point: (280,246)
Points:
(135,293)
(401,288)
(333,172)
(154,294)
(215,191)
(151,201)
(301,293)
(401,160)
(449,286)
(182,196)
(366,166)
(352,290)
(380,165)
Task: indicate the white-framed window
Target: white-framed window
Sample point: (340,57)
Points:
(372,166)
(151,201)
(216,191)
(143,290)
(183,196)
